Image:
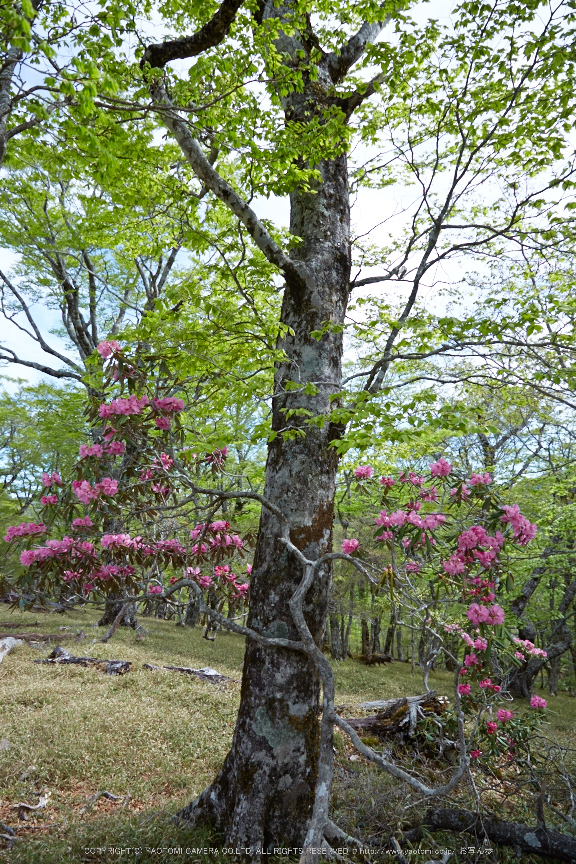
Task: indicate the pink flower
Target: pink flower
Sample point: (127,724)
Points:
(106,349)
(433,521)
(93,450)
(166,461)
(413,567)
(170,404)
(116,540)
(24,529)
(475,754)
(477,614)
(154,589)
(523,531)
(415,479)
(441,468)
(249,569)
(27,557)
(503,715)
(387,482)
(454,565)
(496,688)
(538,702)
(243,588)
(480,479)
(485,683)
(220,525)
(471,660)
(496,615)
(519,655)
(480,644)
(464,689)
(116,448)
(350,546)
(397,518)
(205,581)
(162,422)
(107,486)
(50,479)
(131,405)
(491,728)
(45,500)
(364,472)
(86,522)
(463,671)
(430,494)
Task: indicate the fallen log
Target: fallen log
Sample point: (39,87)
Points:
(372,659)
(400,716)
(13,625)
(111,667)
(37,637)
(7,644)
(539,841)
(24,810)
(205,674)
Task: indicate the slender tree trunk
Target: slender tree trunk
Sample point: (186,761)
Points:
(375,628)
(399,652)
(365,649)
(335,641)
(112,610)
(265,792)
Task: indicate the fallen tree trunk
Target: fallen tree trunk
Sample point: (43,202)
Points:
(110,667)
(206,674)
(7,644)
(538,841)
(400,716)
(37,637)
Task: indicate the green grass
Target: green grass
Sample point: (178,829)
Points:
(158,737)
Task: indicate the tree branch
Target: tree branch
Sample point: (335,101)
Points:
(339,63)
(210,35)
(222,190)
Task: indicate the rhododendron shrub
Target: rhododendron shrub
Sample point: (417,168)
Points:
(119,518)
(453,533)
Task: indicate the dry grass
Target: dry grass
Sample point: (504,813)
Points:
(158,737)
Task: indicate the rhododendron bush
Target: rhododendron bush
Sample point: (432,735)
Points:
(117,523)
(454,535)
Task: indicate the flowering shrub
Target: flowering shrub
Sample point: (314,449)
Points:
(455,532)
(95,556)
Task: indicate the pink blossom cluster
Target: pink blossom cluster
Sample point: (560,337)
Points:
(480,479)
(477,614)
(529,648)
(24,529)
(441,468)
(461,493)
(46,500)
(170,404)
(55,548)
(364,472)
(350,546)
(86,522)
(131,405)
(155,589)
(538,702)
(523,530)
(223,572)
(51,479)
(387,482)
(107,348)
(107,571)
(116,448)
(86,493)
(93,450)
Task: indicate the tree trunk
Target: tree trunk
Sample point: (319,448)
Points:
(399,652)
(335,642)
(265,791)
(112,610)
(192,612)
(375,628)
(520,681)
(555,669)
(365,649)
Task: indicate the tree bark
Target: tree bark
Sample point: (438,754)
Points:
(112,610)
(335,641)
(265,792)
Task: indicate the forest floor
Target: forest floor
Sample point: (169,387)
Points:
(154,739)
